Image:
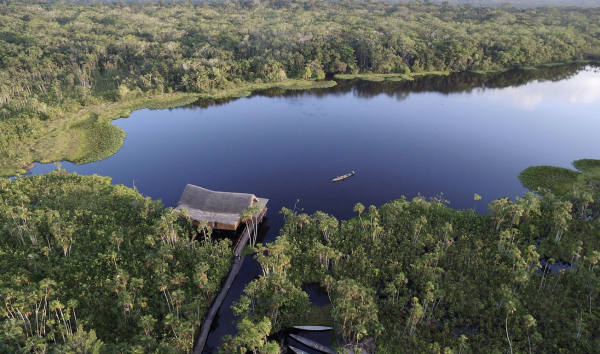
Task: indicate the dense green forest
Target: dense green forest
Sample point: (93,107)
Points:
(67,69)
(116,273)
(505,3)
(420,276)
(517,3)
(90,267)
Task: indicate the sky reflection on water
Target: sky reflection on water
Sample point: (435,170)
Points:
(460,135)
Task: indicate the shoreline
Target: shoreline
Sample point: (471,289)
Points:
(87,134)
(412,76)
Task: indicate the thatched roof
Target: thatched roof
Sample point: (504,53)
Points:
(215,207)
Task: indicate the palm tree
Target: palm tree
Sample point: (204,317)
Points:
(510,308)
(359,208)
(249,215)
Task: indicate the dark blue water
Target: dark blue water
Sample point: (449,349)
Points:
(460,135)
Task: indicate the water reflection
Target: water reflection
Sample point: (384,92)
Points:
(459,134)
(584,88)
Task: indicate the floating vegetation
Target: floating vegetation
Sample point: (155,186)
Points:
(549,65)
(374,77)
(548,178)
(241,94)
(558,180)
(400,78)
(166,104)
(99,140)
(491,71)
(585,165)
(306,85)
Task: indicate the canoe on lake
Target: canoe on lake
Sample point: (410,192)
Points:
(297,351)
(312,344)
(341,178)
(313,328)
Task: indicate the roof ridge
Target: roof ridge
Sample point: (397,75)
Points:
(210,190)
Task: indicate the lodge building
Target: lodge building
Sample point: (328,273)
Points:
(221,209)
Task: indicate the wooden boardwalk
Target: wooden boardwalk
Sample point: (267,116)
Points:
(235,268)
(236,265)
(243,240)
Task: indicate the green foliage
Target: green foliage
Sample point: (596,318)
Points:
(79,253)
(557,180)
(124,57)
(273,295)
(586,165)
(100,140)
(422,277)
(80,342)
(251,337)
(375,77)
(355,309)
(580,189)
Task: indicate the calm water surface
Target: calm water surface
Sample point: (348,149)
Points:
(460,135)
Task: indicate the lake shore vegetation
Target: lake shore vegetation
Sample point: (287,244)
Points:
(90,267)
(67,69)
(420,276)
(582,185)
(118,273)
(86,135)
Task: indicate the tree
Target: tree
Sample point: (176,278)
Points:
(510,308)
(359,208)
(134,278)
(81,342)
(306,73)
(253,337)
(355,309)
(250,216)
(476,198)
(529,322)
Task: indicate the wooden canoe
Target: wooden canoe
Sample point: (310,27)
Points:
(341,178)
(297,351)
(313,328)
(312,344)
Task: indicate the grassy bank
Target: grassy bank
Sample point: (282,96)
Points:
(546,65)
(387,77)
(563,182)
(412,76)
(86,135)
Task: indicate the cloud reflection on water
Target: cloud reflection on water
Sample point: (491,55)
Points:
(582,89)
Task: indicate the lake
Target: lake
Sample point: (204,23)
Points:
(459,135)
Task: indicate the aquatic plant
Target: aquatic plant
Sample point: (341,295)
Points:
(541,179)
(586,165)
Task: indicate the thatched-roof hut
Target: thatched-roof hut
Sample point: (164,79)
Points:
(221,209)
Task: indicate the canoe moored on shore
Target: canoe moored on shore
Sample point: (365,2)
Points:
(312,344)
(297,351)
(313,328)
